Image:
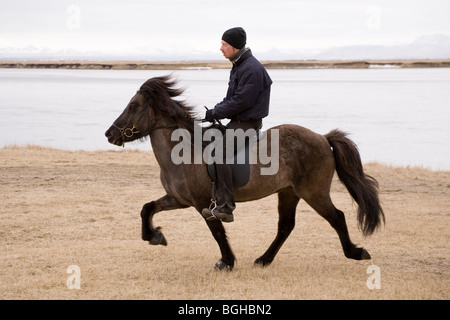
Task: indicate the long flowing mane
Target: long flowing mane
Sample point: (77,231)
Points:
(160,92)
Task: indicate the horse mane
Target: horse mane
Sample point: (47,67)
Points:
(159,92)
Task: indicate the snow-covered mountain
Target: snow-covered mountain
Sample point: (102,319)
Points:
(426,47)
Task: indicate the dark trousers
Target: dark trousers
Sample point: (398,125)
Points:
(225,190)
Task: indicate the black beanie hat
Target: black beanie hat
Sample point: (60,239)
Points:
(236,37)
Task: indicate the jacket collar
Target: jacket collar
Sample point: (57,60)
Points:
(240,56)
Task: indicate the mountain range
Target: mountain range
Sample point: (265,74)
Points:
(426,47)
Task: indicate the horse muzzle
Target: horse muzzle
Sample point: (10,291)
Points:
(125,134)
(114,137)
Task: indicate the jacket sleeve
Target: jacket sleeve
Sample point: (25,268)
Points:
(249,87)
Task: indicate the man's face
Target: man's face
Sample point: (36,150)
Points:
(228,50)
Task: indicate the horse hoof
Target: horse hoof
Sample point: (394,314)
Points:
(365,255)
(158,238)
(261,263)
(221,266)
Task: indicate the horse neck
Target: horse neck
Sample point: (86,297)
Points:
(162,147)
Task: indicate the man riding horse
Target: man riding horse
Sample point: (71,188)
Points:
(246,103)
(307,161)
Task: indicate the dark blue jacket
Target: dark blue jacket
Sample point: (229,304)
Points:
(248,92)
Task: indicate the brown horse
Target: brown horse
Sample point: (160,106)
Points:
(307,162)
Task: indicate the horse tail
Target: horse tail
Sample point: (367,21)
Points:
(362,187)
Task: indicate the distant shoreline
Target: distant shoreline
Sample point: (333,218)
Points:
(199,65)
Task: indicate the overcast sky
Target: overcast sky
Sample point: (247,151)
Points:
(197,25)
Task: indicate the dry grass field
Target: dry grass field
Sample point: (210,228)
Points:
(60,208)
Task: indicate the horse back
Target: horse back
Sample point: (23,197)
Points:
(304,158)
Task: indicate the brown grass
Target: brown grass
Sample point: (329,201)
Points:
(61,208)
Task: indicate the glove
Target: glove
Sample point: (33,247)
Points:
(209,116)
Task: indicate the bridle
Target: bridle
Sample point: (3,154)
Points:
(129,132)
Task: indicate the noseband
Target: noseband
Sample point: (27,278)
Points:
(127,132)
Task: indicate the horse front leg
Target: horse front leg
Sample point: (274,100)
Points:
(219,234)
(153,235)
(226,262)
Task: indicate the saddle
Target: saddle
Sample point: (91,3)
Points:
(240,171)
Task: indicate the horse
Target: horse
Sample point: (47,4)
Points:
(307,162)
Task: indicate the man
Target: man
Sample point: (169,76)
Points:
(246,103)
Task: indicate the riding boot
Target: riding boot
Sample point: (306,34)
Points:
(225,196)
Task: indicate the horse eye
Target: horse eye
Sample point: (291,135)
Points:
(133,107)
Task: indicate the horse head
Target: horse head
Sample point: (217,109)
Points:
(131,124)
(149,109)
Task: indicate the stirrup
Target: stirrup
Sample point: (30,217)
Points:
(214,206)
(208,214)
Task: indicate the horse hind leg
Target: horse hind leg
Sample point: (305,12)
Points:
(287,204)
(336,218)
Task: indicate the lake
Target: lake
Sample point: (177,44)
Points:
(399,117)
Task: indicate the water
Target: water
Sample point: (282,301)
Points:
(395,116)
